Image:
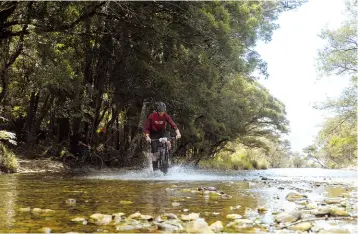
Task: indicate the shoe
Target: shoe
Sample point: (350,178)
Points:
(155,165)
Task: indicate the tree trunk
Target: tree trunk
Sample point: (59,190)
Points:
(134,147)
(44,110)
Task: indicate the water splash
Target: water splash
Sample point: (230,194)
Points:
(182,173)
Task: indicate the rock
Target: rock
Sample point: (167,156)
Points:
(214,194)
(335,230)
(170,226)
(79,220)
(170,216)
(294,197)
(321,211)
(45,230)
(25,209)
(175,204)
(217,226)
(240,223)
(301,202)
(125,228)
(287,217)
(198,226)
(261,210)
(36,211)
(307,216)
(333,200)
(233,216)
(125,202)
(146,217)
(304,226)
(311,206)
(189,217)
(134,216)
(202,188)
(337,211)
(225,196)
(185,210)
(70,201)
(211,189)
(243,221)
(264,178)
(48,211)
(117,218)
(100,219)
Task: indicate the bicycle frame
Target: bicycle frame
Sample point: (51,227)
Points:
(163,153)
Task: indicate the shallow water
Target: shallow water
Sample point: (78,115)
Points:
(153,194)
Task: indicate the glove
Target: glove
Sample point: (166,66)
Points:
(177,134)
(147,138)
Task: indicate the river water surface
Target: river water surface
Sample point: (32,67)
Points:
(155,194)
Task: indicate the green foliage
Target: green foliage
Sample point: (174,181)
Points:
(337,139)
(8,161)
(96,62)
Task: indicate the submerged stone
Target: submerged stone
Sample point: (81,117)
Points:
(304,226)
(189,217)
(287,217)
(336,200)
(294,197)
(217,226)
(198,226)
(79,220)
(233,216)
(100,219)
(25,209)
(337,211)
(170,225)
(70,201)
(135,216)
(45,230)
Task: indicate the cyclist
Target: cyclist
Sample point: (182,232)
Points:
(78,144)
(155,127)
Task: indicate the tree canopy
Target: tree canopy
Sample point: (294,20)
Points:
(94,65)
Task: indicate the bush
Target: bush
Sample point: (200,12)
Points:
(8,161)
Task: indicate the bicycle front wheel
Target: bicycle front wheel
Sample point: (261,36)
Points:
(164,162)
(96,162)
(69,162)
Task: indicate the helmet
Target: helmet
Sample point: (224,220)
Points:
(160,107)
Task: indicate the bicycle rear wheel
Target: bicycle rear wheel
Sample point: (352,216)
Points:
(69,162)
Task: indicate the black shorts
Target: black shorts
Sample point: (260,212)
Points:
(157,135)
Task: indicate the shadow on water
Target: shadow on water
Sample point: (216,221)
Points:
(131,191)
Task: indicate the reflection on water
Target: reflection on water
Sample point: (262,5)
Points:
(149,194)
(8,197)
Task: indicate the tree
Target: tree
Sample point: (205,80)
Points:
(338,137)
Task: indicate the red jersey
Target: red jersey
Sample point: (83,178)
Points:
(156,123)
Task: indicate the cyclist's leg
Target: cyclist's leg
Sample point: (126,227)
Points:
(154,145)
(154,155)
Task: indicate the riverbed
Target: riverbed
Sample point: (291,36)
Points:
(62,202)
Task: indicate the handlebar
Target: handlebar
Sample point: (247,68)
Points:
(169,138)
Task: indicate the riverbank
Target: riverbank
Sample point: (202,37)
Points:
(39,165)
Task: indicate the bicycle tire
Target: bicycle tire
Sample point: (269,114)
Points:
(96,162)
(164,162)
(69,162)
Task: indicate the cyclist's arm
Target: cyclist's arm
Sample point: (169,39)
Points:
(171,122)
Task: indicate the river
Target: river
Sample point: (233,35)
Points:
(155,194)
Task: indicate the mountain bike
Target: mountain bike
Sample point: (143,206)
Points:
(85,160)
(163,154)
